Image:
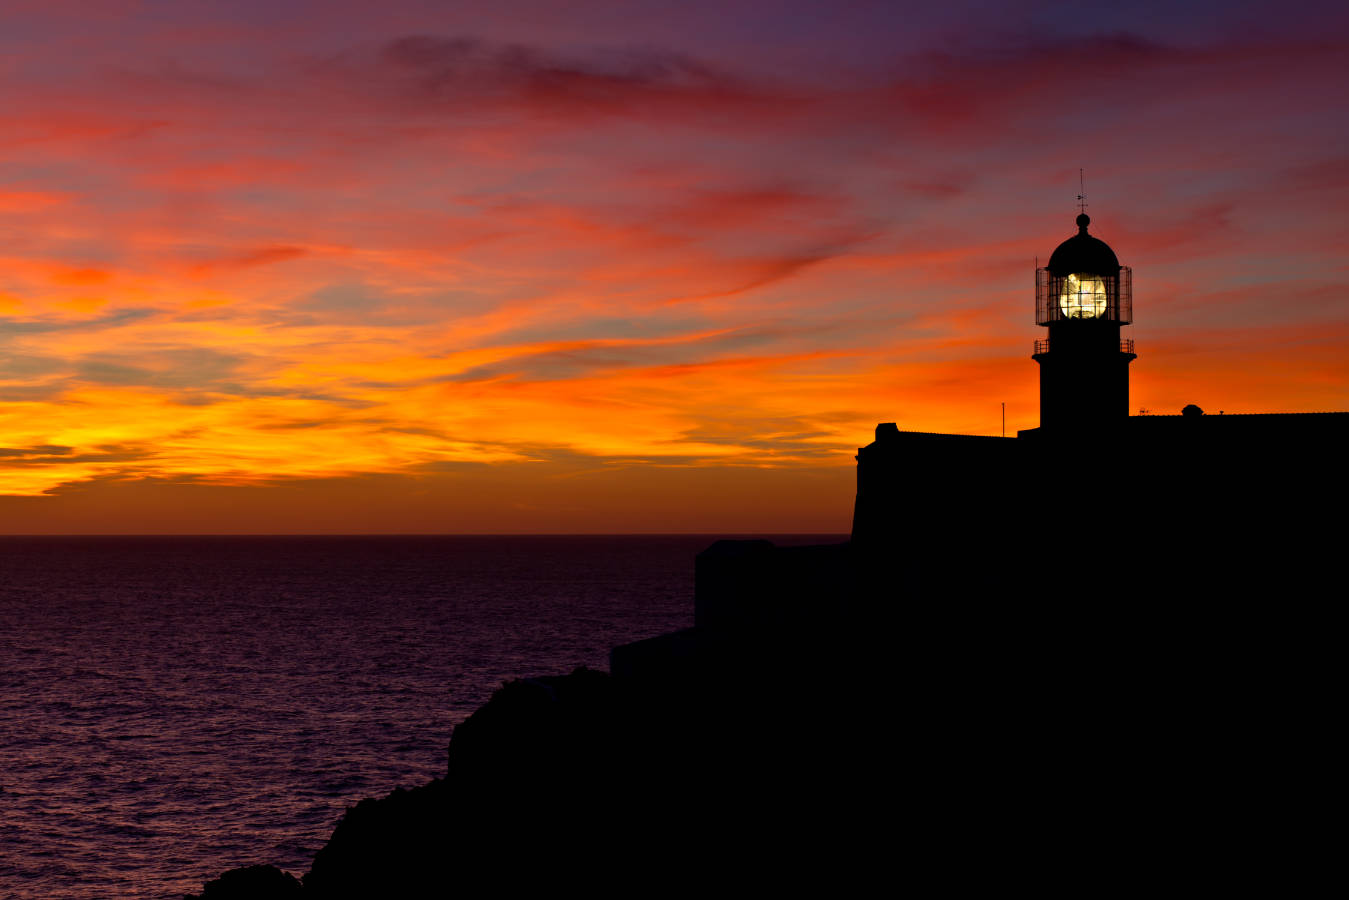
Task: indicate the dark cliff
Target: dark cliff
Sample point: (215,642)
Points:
(829,723)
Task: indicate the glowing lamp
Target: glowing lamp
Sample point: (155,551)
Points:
(1082,297)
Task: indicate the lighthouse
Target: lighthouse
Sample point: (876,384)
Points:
(1083,298)
(1236,490)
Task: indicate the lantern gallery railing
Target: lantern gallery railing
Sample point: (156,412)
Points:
(1126,345)
(1084,295)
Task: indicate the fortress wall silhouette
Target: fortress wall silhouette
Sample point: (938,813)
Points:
(1200,487)
(1185,509)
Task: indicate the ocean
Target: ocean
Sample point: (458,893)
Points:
(173,707)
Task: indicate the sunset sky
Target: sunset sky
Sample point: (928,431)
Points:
(623,266)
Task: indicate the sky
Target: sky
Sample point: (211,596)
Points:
(633,266)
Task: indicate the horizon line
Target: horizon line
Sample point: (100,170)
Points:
(205,534)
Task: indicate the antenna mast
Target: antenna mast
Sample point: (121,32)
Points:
(1082,192)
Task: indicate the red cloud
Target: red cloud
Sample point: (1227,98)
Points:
(258,256)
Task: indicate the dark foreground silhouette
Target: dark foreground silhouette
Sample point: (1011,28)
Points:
(894,732)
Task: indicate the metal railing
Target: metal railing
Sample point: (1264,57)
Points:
(1126,345)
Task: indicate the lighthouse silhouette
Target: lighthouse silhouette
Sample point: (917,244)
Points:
(1225,492)
(1084,297)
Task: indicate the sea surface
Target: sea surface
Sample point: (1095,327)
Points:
(171,708)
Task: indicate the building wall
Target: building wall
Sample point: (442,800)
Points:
(1240,503)
(934,495)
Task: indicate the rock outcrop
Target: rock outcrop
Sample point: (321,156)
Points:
(596,782)
(260,882)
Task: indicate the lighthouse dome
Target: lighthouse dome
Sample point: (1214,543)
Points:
(1083,253)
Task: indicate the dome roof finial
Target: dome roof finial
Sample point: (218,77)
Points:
(1083,220)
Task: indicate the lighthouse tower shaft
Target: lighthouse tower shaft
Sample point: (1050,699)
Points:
(1084,375)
